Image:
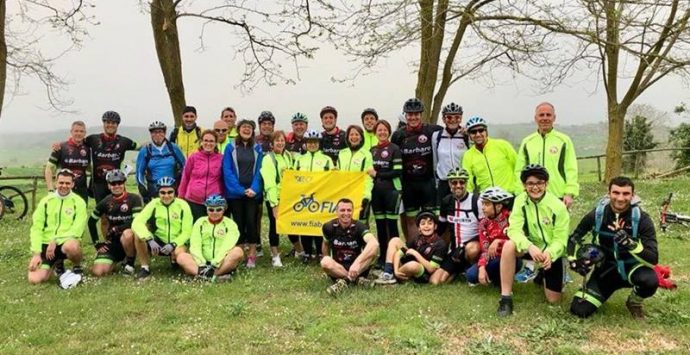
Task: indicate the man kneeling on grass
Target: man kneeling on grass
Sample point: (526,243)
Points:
(349,249)
(213,251)
(58,223)
(417,260)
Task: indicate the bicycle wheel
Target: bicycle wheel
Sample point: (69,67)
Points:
(2,208)
(16,204)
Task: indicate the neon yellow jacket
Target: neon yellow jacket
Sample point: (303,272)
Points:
(272,167)
(188,142)
(57,218)
(211,242)
(173,223)
(370,140)
(555,152)
(544,224)
(493,166)
(360,160)
(316,161)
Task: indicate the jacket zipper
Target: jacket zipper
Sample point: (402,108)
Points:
(59,217)
(167,209)
(213,236)
(541,231)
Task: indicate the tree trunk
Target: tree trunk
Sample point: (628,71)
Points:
(3,54)
(614,147)
(164,23)
(433,31)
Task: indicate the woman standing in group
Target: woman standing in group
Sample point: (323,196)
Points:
(312,160)
(356,158)
(274,164)
(242,177)
(202,175)
(385,199)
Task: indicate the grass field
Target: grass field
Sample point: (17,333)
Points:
(287,310)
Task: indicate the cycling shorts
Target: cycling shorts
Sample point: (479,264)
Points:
(418,195)
(115,253)
(59,255)
(385,203)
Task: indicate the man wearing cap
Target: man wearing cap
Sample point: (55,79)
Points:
(187,136)
(332,138)
(369,119)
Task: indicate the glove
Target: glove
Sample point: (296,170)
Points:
(581,266)
(99,245)
(167,249)
(155,247)
(458,254)
(206,271)
(624,240)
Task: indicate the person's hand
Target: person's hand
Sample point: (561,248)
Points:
(154,246)
(206,271)
(55,146)
(35,262)
(535,253)
(249,193)
(50,252)
(167,249)
(372,172)
(354,272)
(546,263)
(411,252)
(624,240)
(275,212)
(483,276)
(102,247)
(493,248)
(567,201)
(581,266)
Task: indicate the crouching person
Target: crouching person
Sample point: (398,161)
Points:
(349,249)
(170,218)
(417,260)
(213,251)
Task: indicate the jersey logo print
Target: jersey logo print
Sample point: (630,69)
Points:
(124,208)
(422,139)
(384,154)
(553,149)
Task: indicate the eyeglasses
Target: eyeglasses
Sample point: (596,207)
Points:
(221,130)
(209,141)
(215,209)
(458,182)
(476,131)
(166,192)
(116,183)
(534,184)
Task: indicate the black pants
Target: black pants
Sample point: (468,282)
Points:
(148,192)
(100,190)
(443,191)
(606,280)
(244,214)
(273,237)
(309,243)
(198,210)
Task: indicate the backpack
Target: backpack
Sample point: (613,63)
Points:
(598,220)
(173,134)
(171,151)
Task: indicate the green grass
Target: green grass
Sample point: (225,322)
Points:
(276,311)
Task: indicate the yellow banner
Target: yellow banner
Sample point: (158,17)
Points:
(308,199)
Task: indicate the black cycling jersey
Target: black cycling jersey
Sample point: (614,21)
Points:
(346,243)
(294,144)
(75,157)
(416,149)
(332,144)
(433,248)
(118,211)
(385,158)
(107,153)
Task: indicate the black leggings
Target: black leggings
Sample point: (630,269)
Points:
(273,237)
(606,280)
(308,244)
(99,190)
(386,229)
(198,210)
(244,214)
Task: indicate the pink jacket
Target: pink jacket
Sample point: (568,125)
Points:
(202,177)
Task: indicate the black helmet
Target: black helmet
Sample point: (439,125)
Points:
(370,111)
(116,175)
(266,116)
(413,105)
(111,116)
(425,214)
(328,109)
(452,109)
(534,170)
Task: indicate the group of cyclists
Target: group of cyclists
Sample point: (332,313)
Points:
(469,205)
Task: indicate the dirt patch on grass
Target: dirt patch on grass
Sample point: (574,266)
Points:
(612,341)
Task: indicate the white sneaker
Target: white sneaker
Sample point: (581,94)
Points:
(276,261)
(299,255)
(128,269)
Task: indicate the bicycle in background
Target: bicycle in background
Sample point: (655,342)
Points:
(13,202)
(668,217)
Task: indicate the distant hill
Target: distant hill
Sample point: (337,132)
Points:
(30,149)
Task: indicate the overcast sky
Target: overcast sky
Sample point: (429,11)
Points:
(117,69)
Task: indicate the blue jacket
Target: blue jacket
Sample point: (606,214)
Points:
(233,189)
(154,163)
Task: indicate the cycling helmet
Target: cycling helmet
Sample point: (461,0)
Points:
(312,135)
(458,173)
(215,201)
(111,116)
(116,175)
(534,170)
(157,125)
(299,117)
(413,105)
(425,214)
(370,111)
(246,121)
(590,252)
(266,116)
(328,109)
(452,109)
(165,181)
(474,122)
(495,194)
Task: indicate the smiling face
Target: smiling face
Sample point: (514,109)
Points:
(229,117)
(189,119)
(478,134)
(328,121)
(279,143)
(354,137)
(427,227)
(167,195)
(544,116)
(266,128)
(535,187)
(78,132)
(64,184)
(312,145)
(299,128)
(457,187)
(344,213)
(208,143)
(369,121)
(382,133)
(246,131)
(221,129)
(158,136)
(215,213)
(110,127)
(117,187)
(452,121)
(621,197)
(414,119)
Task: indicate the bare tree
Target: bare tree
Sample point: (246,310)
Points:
(25,29)
(629,44)
(264,36)
(457,40)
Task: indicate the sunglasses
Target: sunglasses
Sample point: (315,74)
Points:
(220,130)
(478,130)
(215,209)
(116,183)
(166,192)
(457,182)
